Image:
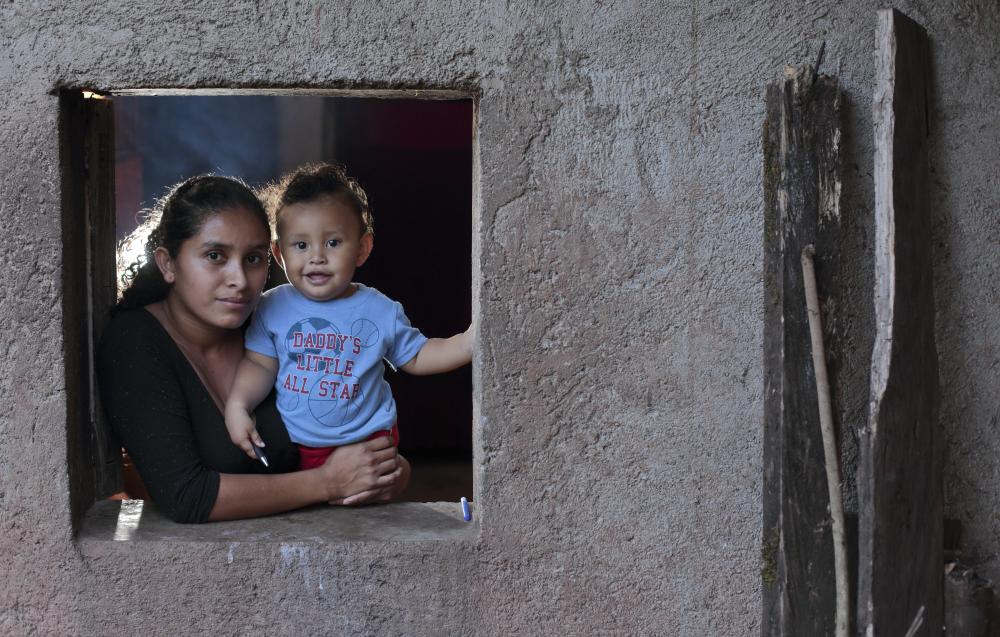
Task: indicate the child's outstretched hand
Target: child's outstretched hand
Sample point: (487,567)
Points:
(242,430)
(439,355)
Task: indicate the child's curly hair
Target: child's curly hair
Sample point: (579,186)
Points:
(311,182)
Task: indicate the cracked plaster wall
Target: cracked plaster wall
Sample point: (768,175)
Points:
(619,268)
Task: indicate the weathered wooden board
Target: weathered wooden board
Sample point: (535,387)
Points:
(72,123)
(88,238)
(102,283)
(801,207)
(900,472)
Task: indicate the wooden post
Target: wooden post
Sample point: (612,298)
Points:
(102,284)
(900,472)
(88,281)
(801,207)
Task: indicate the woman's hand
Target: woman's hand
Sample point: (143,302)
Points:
(363,472)
(384,494)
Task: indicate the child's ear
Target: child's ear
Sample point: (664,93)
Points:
(165,264)
(276,251)
(367,243)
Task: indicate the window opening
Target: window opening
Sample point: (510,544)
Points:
(414,159)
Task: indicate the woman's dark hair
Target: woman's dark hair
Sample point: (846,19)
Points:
(311,182)
(173,220)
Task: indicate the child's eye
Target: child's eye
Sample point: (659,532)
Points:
(333,243)
(300,245)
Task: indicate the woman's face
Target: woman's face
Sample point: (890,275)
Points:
(218,274)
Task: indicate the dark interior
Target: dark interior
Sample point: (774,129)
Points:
(414,159)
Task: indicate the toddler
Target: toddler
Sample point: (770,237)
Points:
(321,340)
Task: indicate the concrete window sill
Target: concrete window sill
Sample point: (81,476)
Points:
(128,521)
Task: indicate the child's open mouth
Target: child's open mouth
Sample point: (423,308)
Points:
(318,278)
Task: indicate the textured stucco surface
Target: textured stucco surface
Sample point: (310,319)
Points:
(618,264)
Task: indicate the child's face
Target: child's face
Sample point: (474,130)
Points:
(320,246)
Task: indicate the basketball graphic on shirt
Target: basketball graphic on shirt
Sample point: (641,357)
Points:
(366,331)
(316,336)
(332,401)
(287,401)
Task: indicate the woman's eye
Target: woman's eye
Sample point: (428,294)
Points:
(214,256)
(254,259)
(333,243)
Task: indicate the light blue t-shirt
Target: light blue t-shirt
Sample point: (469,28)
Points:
(331,386)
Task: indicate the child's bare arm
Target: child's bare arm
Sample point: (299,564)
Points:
(254,379)
(439,355)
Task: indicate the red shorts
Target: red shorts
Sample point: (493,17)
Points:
(312,457)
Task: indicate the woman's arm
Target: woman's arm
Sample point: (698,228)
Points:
(142,394)
(353,474)
(142,382)
(144,400)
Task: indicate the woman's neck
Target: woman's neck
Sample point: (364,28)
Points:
(187,331)
(213,352)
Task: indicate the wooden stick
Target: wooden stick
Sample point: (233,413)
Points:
(829,441)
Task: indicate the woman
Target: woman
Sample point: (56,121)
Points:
(169,356)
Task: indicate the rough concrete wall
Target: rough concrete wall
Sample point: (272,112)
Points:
(965,184)
(620,302)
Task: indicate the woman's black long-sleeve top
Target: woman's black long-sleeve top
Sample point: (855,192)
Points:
(167,421)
